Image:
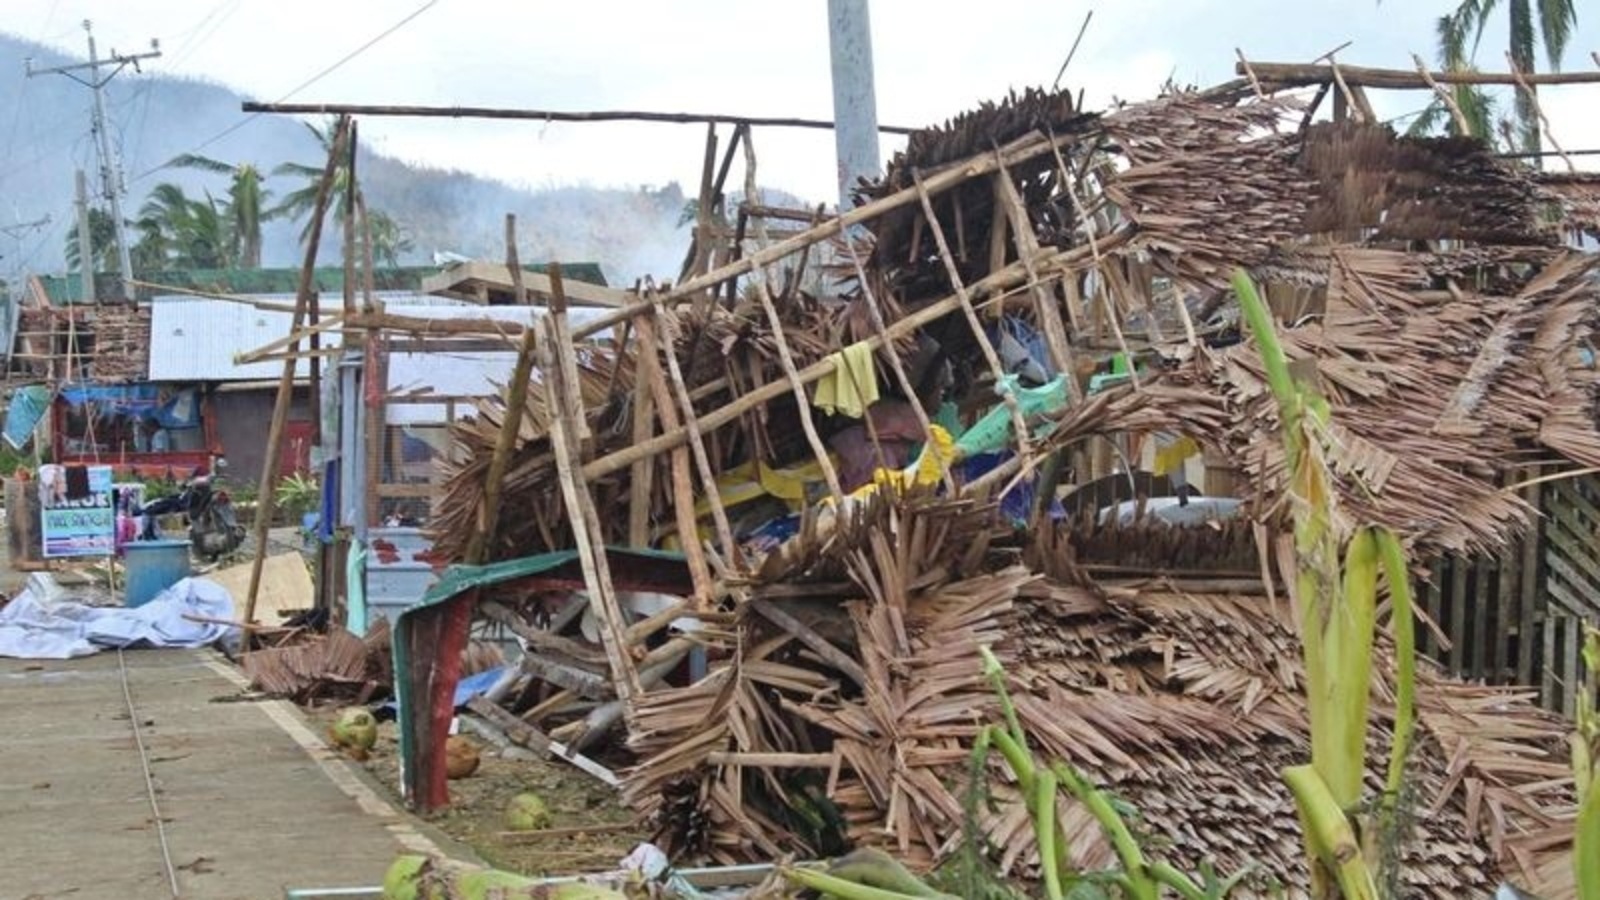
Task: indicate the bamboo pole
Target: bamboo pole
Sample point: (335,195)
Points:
(1282,75)
(280,409)
(1018,420)
(517,401)
(995,282)
(1020,150)
(588,536)
(545,115)
(902,377)
(1027,244)
(1533,101)
(785,358)
(697,446)
(649,372)
(1445,97)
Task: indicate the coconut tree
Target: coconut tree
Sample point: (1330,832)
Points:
(246,206)
(103,237)
(389,240)
(1533,24)
(187,232)
(300,202)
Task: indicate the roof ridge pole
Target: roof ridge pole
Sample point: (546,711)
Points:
(855,105)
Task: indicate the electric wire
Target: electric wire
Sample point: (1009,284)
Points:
(300,87)
(149,781)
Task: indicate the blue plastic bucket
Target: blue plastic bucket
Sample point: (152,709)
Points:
(154,566)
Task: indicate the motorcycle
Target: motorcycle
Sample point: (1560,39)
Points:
(214,528)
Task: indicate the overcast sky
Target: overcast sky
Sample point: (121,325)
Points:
(933,58)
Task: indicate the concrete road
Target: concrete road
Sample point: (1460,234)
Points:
(251,800)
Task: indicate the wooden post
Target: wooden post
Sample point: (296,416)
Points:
(649,374)
(517,400)
(640,482)
(280,409)
(589,538)
(697,445)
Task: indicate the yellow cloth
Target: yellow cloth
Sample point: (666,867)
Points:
(852,386)
(1172,457)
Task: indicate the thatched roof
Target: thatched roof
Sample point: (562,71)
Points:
(1186,705)
(1419,279)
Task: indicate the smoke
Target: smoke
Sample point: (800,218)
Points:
(631,232)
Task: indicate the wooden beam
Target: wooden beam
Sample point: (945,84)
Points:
(478,547)
(1020,150)
(588,535)
(496,275)
(994,283)
(544,115)
(1281,75)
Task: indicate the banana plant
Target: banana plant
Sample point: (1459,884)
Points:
(1586,773)
(1337,606)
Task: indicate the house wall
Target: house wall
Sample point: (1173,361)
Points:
(242,420)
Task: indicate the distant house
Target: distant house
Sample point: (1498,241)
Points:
(153,387)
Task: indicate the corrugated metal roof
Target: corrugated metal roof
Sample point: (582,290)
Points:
(196,340)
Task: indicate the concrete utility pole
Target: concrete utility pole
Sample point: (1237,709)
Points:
(85,239)
(110,169)
(855,104)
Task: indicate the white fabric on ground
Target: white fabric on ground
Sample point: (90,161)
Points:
(35,627)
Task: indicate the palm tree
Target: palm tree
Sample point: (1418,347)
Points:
(389,240)
(103,237)
(1555,18)
(246,206)
(185,232)
(302,201)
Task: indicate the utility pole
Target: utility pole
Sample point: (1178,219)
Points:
(855,104)
(85,240)
(16,231)
(110,169)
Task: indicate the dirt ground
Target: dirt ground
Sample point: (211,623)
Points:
(476,816)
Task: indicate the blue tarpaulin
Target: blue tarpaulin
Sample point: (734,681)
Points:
(169,408)
(28,405)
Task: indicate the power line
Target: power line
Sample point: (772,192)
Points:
(300,87)
(110,170)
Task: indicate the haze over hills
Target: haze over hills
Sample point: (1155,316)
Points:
(45,135)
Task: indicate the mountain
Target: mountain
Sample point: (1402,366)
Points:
(45,135)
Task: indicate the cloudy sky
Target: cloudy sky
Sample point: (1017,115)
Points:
(933,58)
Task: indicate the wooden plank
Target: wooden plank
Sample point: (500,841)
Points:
(387,490)
(1502,660)
(683,500)
(499,276)
(1481,606)
(808,636)
(1458,614)
(772,760)
(1529,616)
(1572,664)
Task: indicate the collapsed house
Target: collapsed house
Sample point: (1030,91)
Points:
(1044,435)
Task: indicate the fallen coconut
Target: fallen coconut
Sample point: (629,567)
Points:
(355,731)
(527,812)
(460,757)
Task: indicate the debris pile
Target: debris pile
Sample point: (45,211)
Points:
(902,435)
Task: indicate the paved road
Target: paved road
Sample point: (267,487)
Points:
(251,800)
